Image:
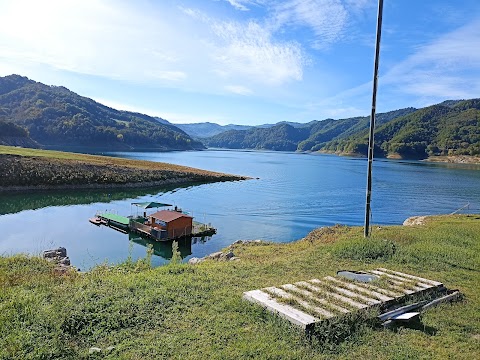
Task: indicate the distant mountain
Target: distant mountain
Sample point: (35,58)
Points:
(57,117)
(208,129)
(449,128)
(286,136)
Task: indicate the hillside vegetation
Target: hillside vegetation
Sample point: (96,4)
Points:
(14,135)
(449,128)
(286,136)
(40,169)
(182,311)
(435,130)
(56,116)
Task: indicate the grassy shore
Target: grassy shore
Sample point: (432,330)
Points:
(182,311)
(32,169)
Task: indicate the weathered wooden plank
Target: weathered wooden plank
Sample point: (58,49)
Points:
(349,293)
(315,298)
(351,286)
(403,279)
(435,283)
(398,282)
(381,290)
(287,312)
(282,293)
(335,295)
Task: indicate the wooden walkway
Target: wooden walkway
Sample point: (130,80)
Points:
(305,303)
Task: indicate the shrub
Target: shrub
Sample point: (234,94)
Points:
(364,249)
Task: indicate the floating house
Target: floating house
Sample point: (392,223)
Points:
(162,225)
(174,223)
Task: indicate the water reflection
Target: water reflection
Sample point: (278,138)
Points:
(164,248)
(15,202)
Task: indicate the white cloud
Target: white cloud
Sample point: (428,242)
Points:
(249,50)
(438,69)
(242,5)
(238,4)
(326,18)
(238,89)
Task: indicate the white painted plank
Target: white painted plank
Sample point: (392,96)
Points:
(291,314)
(351,286)
(405,316)
(315,298)
(336,296)
(436,283)
(282,293)
(349,293)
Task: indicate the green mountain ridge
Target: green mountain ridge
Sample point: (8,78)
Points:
(285,136)
(442,129)
(57,117)
(449,128)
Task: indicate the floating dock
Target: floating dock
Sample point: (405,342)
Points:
(165,225)
(117,222)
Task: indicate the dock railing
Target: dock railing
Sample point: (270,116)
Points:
(134,225)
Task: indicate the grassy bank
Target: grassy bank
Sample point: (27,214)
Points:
(183,311)
(32,169)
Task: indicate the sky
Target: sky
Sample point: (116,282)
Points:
(246,61)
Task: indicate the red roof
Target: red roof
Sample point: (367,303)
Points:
(168,215)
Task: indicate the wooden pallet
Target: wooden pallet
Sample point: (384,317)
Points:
(305,303)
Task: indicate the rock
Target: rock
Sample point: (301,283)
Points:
(194,261)
(60,258)
(49,254)
(94,350)
(215,256)
(229,255)
(415,220)
(61,252)
(238,242)
(234,258)
(65,261)
(110,349)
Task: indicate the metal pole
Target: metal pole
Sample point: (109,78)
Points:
(372,119)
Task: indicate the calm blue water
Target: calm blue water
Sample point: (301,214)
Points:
(294,194)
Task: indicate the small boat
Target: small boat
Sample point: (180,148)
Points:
(96,220)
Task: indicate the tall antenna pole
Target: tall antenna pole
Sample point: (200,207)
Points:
(372,119)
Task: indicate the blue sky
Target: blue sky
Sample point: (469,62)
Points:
(245,61)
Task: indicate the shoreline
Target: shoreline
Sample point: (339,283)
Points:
(39,170)
(132,185)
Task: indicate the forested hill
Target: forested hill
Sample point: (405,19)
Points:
(449,128)
(291,137)
(14,135)
(56,116)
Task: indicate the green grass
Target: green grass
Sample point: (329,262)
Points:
(181,311)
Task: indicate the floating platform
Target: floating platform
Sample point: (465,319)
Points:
(305,303)
(138,225)
(117,222)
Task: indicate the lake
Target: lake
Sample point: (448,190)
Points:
(290,195)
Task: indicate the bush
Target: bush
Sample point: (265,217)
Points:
(364,249)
